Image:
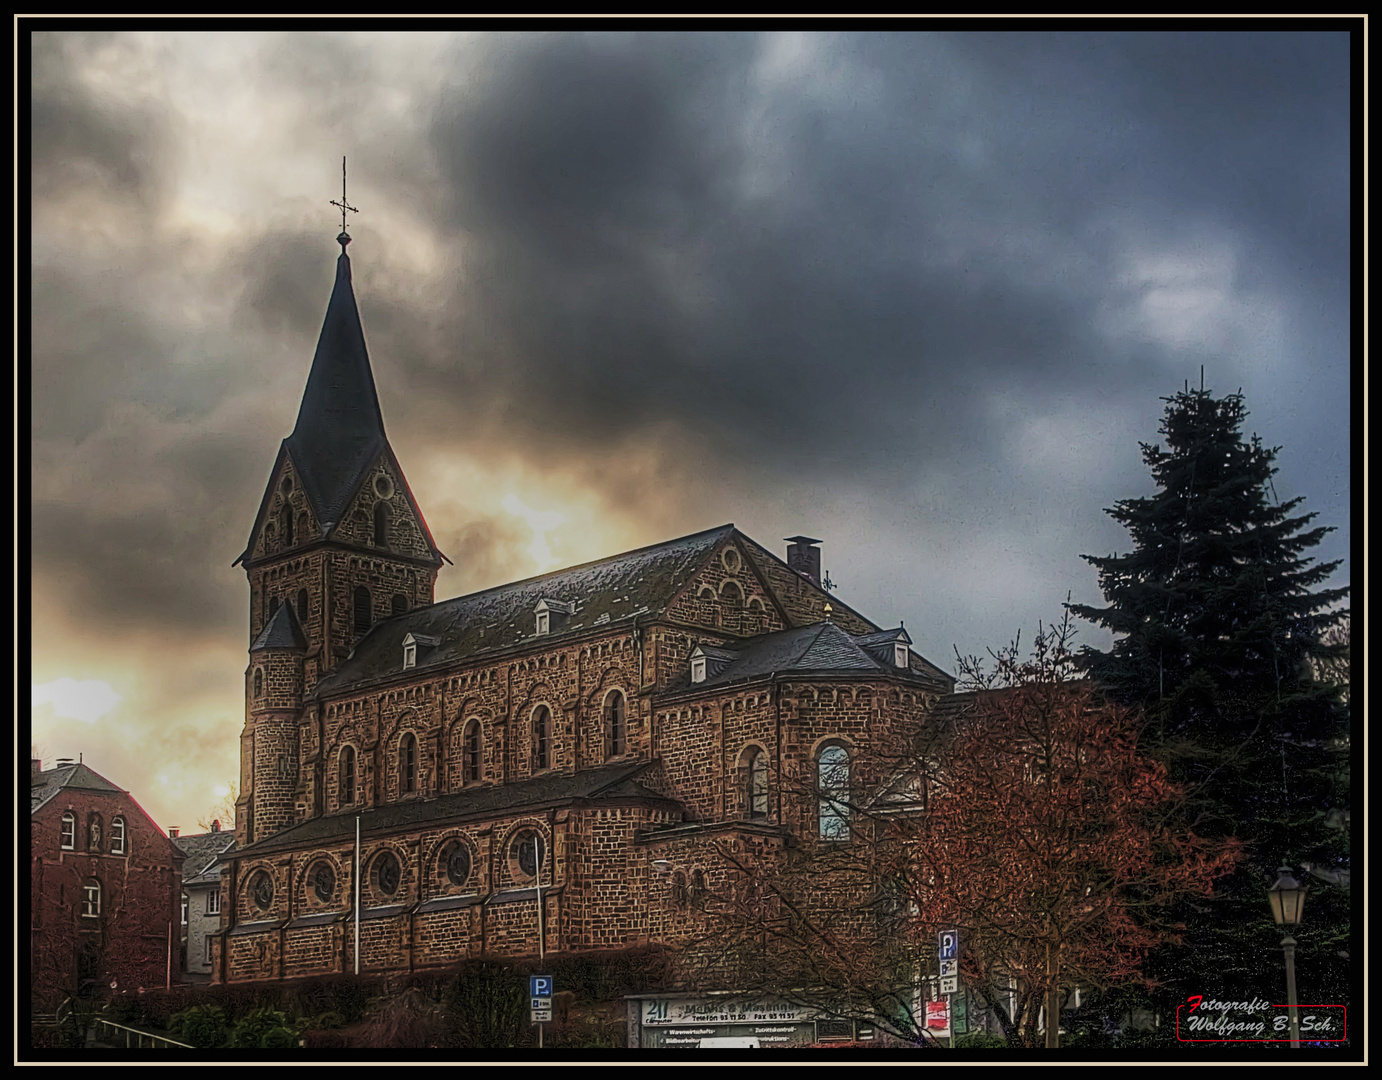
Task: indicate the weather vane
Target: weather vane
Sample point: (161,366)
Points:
(344,238)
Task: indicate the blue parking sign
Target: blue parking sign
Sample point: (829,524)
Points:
(540,986)
(949,944)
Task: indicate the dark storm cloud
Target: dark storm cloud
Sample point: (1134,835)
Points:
(655,233)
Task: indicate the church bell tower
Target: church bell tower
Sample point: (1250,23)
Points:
(338,545)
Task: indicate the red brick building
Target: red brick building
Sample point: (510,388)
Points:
(105,883)
(593,731)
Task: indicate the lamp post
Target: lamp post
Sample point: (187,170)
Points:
(1288,900)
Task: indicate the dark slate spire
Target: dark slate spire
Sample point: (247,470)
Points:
(340,429)
(283,631)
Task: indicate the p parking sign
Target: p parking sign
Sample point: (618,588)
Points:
(540,986)
(949,943)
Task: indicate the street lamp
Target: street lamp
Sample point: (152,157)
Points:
(1288,900)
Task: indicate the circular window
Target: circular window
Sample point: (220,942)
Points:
(383,486)
(527,852)
(387,873)
(731,559)
(262,890)
(323,882)
(456,861)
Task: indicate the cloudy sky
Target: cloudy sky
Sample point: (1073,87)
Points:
(918,295)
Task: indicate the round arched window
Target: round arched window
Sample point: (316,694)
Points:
(387,873)
(456,864)
(262,890)
(323,882)
(527,853)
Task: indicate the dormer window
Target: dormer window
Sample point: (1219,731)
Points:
(551,614)
(900,657)
(413,644)
(698,669)
(707,661)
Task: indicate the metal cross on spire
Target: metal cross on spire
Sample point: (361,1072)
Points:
(344,238)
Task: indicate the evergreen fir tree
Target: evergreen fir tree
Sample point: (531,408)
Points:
(1219,631)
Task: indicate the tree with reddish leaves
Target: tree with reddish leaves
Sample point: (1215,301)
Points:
(1021,813)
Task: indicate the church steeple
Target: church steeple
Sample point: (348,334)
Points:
(340,430)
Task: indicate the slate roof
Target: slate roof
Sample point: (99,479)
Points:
(820,648)
(608,782)
(339,429)
(49,782)
(202,850)
(283,631)
(605,592)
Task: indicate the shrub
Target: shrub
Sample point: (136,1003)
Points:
(258,1025)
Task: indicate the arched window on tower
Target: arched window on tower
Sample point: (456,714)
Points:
(381,525)
(364,616)
(286,517)
(347,785)
(302,606)
(756,783)
(832,784)
(616,725)
(399,604)
(407,764)
(258,682)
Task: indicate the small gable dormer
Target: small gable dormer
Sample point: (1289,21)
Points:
(889,647)
(707,661)
(552,615)
(415,645)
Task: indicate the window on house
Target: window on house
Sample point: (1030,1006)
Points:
(410,655)
(91,899)
(287,519)
(258,683)
(732,595)
(184,909)
(302,606)
(542,737)
(544,622)
(616,725)
(302,528)
(698,670)
(407,764)
(208,946)
(757,778)
(381,525)
(213,902)
(68,839)
(364,616)
(900,658)
(273,608)
(399,604)
(117,836)
(471,753)
(832,772)
(347,779)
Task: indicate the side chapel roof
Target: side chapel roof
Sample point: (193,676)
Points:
(49,782)
(609,782)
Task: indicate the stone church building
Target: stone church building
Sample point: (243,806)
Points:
(551,763)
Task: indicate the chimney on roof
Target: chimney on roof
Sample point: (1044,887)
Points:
(216,825)
(805,558)
(172,832)
(36,767)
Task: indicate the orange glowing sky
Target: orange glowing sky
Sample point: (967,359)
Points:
(916,294)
